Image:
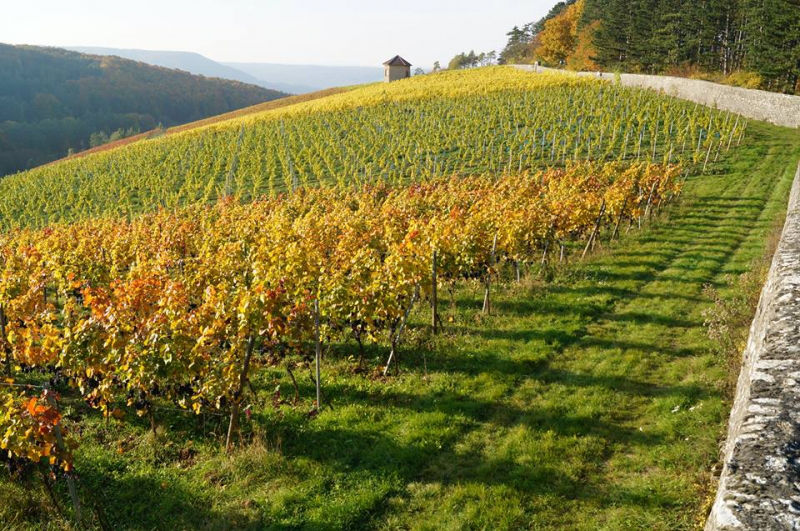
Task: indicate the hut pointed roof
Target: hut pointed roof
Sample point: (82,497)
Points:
(397,61)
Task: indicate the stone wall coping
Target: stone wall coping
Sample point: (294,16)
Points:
(759,487)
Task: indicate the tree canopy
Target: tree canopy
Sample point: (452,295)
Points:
(722,36)
(472,60)
(751,42)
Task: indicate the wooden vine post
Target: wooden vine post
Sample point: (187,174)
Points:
(619,219)
(3,345)
(487,300)
(396,335)
(595,230)
(317,353)
(732,133)
(434,294)
(233,426)
(73,491)
(544,252)
(650,200)
(708,154)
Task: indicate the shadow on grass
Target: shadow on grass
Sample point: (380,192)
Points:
(142,501)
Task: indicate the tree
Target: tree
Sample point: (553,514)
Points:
(558,39)
(523,41)
(518,45)
(457,62)
(470,60)
(705,36)
(419,72)
(773,50)
(582,58)
(611,39)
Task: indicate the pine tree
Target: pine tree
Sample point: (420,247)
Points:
(773,49)
(612,38)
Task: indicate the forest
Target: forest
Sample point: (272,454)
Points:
(53,101)
(752,43)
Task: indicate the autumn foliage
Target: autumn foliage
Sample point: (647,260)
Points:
(28,428)
(180,306)
(559,37)
(567,40)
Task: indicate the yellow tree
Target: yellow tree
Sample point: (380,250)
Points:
(559,37)
(582,56)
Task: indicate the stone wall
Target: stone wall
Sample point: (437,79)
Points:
(778,109)
(759,487)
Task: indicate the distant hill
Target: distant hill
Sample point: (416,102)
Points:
(294,79)
(313,77)
(53,101)
(191,62)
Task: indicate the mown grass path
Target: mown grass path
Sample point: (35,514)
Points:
(591,401)
(617,423)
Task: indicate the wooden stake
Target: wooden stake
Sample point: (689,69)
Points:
(233,426)
(544,253)
(294,383)
(639,145)
(6,350)
(487,302)
(708,154)
(733,131)
(396,335)
(649,201)
(596,229)
(73,491)
(619,219)
(318,353)
(434,295)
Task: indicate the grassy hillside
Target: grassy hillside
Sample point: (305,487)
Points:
(52,101)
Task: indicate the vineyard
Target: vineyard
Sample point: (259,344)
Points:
(497,121)
(181,306)
(279,269)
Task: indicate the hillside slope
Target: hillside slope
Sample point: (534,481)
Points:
(53,101)
(418,128)
(238,113)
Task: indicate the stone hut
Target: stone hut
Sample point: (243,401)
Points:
(396,68)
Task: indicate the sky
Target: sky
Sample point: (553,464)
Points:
(354,32)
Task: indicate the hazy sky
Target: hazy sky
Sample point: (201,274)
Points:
(345,32)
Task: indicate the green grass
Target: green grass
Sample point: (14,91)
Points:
(589,401)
